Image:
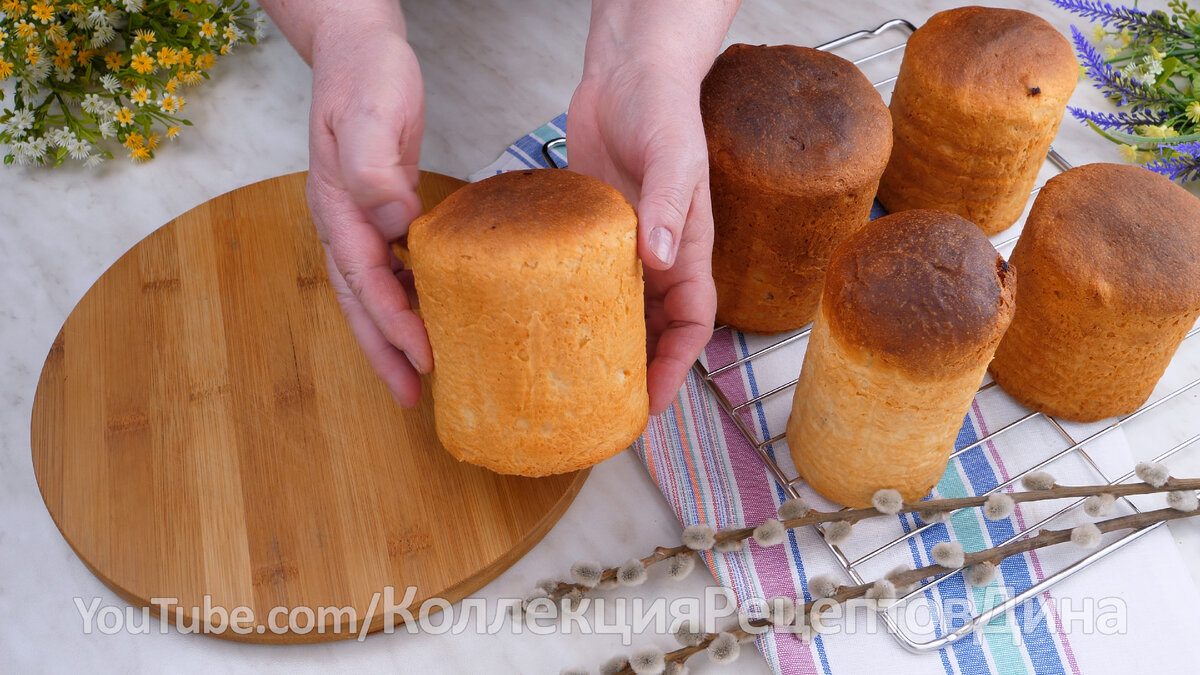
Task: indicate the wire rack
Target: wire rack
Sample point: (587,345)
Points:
(864,51)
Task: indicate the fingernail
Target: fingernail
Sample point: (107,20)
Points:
(662,244)
(389,214)
(413,363)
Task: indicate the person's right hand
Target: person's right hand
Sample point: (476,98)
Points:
(364,140)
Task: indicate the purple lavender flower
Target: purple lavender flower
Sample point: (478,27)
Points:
(1119,18)
(1121,121)
(1183,165)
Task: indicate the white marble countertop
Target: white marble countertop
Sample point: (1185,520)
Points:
(493,71)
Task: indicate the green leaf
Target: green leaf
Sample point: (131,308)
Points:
(1138,140)
(1169,66)
(9,159)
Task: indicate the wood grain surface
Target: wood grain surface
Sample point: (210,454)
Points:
(205,425)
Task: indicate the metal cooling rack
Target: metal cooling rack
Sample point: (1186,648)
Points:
(736,412)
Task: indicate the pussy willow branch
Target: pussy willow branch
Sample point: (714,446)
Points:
(661,553)
(993,555)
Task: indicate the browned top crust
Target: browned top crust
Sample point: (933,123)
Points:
(511,213)
(793,115)
(1117,236)
(922,290)
(995,59)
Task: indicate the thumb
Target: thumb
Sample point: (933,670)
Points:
(668,188)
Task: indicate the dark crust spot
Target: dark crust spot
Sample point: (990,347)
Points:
(922,289)
(1034,91)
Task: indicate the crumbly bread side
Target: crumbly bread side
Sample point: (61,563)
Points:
(531,291)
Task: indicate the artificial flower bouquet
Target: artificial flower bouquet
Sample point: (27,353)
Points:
(79,80)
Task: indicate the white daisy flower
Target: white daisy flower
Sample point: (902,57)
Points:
(37,74)
(102,36)
(20,122)
(110,83)
(97,17)
(93,161)
(64,75)
(61,137)
(260,24)
(1151,67)
(79,149)
(35,148)
(107,128)
(134,6)
(92,104)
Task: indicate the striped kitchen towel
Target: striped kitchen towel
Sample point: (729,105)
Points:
(1134,610)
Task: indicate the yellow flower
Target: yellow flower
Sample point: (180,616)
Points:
(146,36)
(3,36)
(6,69)
(140,96)
(208,29)
(205,61)
(1128,152)
(62,61)
(134,140)
(85,55)
(43,11)
(191,77)
(1158,56)
(1193,112)
(179,15)
(1110,52)
(224,49)
(25,29)
(139,154)
(169,103)
(184,56)
(1156,131)
(1099,33)
(171,85)
(167,57)
(1125,36)
(114,60)
(142,63)
(33,54)
(75,8)
(152,141)
(125,117)
(12,7)
(172,132)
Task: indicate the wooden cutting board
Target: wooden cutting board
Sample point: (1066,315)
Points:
(205,425)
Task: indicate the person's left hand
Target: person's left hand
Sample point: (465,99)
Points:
(639,129)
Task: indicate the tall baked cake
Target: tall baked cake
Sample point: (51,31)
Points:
(913,307)
(1109,265)
(980,95)
(797,140)
(531,291)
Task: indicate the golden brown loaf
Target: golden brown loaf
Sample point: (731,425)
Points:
(797,140)
(980,95)
(531,291)
(913,307)
(1110,283)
